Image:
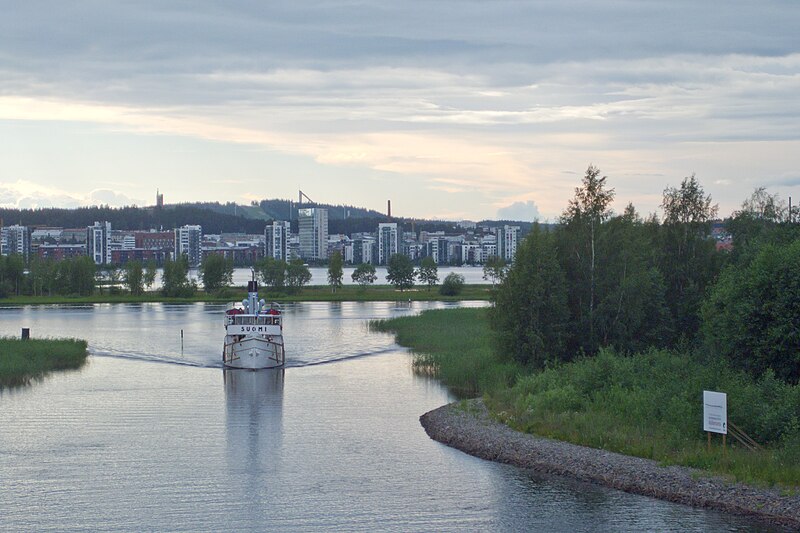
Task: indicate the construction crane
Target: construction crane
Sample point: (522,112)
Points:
(303,195)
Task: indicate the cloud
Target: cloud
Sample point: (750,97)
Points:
(109,197)
(523,211)
(24,194)
(450,95)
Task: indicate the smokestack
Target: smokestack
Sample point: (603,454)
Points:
(389,208)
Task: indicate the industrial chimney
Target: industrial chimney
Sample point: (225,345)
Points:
(389,208)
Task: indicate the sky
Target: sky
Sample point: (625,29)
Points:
(450,109)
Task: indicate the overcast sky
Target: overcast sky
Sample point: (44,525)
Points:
(451,109)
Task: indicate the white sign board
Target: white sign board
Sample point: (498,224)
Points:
(715,412)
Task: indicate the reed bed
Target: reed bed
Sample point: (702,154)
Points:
(24,361)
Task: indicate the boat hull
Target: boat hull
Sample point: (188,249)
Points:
(254,352)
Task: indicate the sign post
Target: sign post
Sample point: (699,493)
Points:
(715,415)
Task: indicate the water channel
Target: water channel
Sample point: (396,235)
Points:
(152,435)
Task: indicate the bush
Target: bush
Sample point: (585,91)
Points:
(452,285)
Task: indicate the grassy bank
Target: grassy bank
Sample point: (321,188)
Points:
(24,361)
(648,405)
(454,346)
(319,293)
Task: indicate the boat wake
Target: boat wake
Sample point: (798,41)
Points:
(336,358)
(150,358)
(291,362)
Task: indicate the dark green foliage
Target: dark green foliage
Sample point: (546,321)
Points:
(175,279)
(297,275)
(452,285)
(134,277)
(150,273)
(272,272)
(136,218)
(335,271)
(428,272)
(12,275)
(530,315)
(495,269)
(364,275)
(753,314)
(24,361)
(216,272)
(400,272)
(582,254)
(630,311)
(688,261)
(75,276)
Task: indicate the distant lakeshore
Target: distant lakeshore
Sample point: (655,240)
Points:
(314,293)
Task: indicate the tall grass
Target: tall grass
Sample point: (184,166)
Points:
(650,405)
(453,345)
(647,404)
(22,361)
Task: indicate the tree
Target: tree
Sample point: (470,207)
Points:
(297,275)
(428,272)
(364,275)
(335,271)
(12,274)
(495,269)
(133,277)
(452,284)
(175,278)
(631,312)
(689,261)
(216,272)
(581,224)
(114,279)
(74,276)
(272,272)
(752,314)
(41,275)
(400,272)
(530,313)
(150,273)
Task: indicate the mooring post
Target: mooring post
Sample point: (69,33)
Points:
(26,333)
(181,342)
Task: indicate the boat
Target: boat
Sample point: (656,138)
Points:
(253,333)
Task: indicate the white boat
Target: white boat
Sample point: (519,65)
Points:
(253,333)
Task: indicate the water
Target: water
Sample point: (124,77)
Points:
(149,437)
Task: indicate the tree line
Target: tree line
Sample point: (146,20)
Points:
(601,279)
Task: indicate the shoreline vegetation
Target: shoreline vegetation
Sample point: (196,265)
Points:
(314,293)
(645,405)
(25,361)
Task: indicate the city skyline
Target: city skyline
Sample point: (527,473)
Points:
(453,110)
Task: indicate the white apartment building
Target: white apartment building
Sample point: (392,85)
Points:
(98,243)
(187,241)
(276,240)
(387,241)
(507,242)
(15,240)
(313,232)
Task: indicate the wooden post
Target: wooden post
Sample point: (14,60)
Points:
(709,441)
(723,444)
(26,333)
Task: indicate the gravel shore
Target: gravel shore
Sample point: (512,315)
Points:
(471,430)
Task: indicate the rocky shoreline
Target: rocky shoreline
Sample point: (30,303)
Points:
(471,430)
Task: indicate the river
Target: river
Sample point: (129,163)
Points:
(152,435)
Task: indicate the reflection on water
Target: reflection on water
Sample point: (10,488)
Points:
(254,433)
